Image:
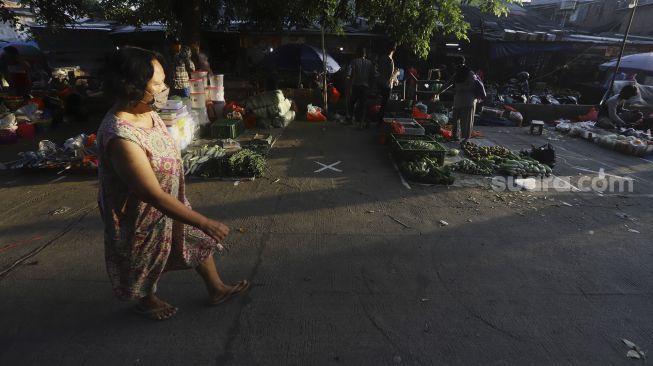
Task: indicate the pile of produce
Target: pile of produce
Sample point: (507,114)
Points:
(417,145)
(425,170)
(202,160)
(247,163)
(213,161)
(77,153)
(485,160)
(525,167)
(470,167)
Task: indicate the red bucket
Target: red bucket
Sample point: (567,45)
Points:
(26,130)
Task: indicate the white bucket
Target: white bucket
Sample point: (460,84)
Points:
(217,80)
(198,100)
(196,85)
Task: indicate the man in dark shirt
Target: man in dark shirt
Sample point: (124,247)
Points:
(359,75)
(387,74)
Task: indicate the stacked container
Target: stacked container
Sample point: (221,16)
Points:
(216,93)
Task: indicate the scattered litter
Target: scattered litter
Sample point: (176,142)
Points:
(634,350)
(241,230)
(399,222)
(469,220)
(444,223)
(236,183)
(634,354)
(566,204)
(424,300)
(60,211)
(633,231)
(591,232)
(276,180)
(427,327)
(370,211)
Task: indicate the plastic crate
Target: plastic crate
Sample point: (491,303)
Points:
(411,126)
(227,129)
(406,154)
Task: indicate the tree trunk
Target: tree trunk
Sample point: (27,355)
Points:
(191,21)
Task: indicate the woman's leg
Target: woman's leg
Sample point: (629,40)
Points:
(217,289)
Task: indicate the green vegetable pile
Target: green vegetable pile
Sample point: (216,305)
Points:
(486,160)
(247,163)
(417,145)
(213,161)
(470,167)
(425,170)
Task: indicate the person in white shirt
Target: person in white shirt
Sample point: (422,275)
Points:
(612,113)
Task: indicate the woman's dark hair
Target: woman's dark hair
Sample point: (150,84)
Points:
(628,91)
(462,70)
(127,72)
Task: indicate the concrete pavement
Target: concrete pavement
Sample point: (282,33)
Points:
(348,268)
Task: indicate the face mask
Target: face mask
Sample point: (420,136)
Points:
(159,99)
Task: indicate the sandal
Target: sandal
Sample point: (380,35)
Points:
(239,288)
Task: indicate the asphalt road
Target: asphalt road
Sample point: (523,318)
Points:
(349,267)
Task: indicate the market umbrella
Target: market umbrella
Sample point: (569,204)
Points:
(27,50)
(641,62)
(300,57)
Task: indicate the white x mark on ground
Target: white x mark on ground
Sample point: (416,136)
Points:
(328,166)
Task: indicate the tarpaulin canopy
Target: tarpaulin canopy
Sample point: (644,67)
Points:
(507,49)
(641,62)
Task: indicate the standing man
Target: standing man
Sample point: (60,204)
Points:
(464,101)
(387,79)
(359,75)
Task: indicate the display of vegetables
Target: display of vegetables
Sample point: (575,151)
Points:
(196,160)
(470,167)
(426,170)
(524,167)
(486,160)
(213,161)
(417,145)
(247,163)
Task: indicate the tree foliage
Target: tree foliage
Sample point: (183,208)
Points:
(411,23)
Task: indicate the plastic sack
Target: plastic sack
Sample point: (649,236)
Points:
(8,122)
(516,118)
(334,94)
(447,134)
(592,115)
(315,117)
(417,113)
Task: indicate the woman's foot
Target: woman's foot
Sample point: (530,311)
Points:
(218,296)
(154,308)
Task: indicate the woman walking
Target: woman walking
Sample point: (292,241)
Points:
(150,227)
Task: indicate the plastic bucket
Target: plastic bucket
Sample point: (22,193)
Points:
(201,74)
(217,80)
(196,86)
(198,100)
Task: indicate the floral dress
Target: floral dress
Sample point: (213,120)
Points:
(140,241)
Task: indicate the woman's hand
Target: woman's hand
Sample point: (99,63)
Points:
(215,229)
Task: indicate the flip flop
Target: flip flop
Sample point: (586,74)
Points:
(153,314)
(239,288)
